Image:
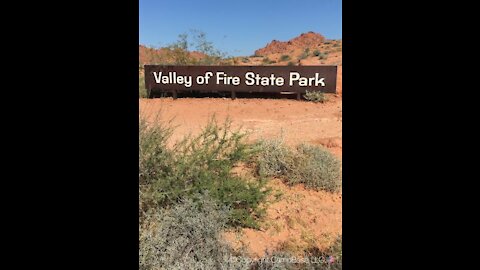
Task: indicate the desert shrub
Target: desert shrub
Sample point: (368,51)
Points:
(285,57)
(274,158)
(230,61)
(154,161)
(330,259)
(336,45)
(322,56)
(267,61)
(311,165)
(316,52)
(335,251)
(197,165)
(304,55)
(206,162)
(154,156)
(142,91)
(315,96)
(152,56)
(186,236)
(213,56)
(291,63)
(316,168)
(245,60)
(179,52)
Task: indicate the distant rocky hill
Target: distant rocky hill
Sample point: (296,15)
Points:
(305,40)
(149,55)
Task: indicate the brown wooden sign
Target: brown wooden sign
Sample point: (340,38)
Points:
(250,79)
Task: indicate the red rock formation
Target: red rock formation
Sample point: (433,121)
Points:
(305,40)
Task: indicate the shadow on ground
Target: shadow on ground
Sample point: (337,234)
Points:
(228,95)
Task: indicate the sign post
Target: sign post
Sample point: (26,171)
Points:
(237,79)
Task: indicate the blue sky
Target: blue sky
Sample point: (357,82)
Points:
(238,27)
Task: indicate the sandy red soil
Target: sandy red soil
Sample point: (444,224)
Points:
(294,121)
(297,220)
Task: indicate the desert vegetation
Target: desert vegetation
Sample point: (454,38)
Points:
(186,236)
(285,57)
(268,61)
(189,193)
(304,54)
(142,91)
(315,96)
(191,48)
(198,165)
(310,165)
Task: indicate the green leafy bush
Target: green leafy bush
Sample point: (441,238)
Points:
(315,96)
(196,165)
(285,57)
(187,236)
(154,161)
